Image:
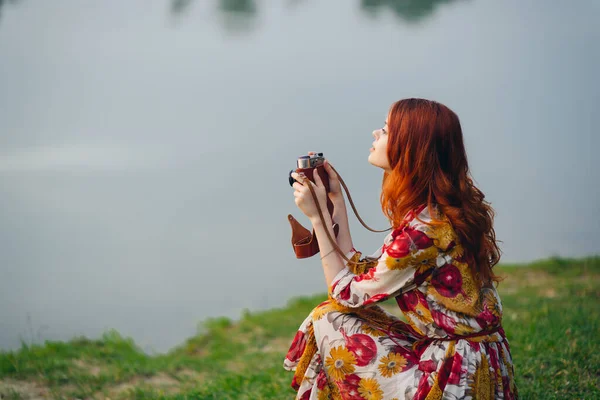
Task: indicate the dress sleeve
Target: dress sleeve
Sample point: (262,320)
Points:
(406,258)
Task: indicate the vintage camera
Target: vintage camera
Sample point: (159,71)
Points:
(304,241)
(307,165)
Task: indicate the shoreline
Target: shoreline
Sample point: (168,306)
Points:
(551,316)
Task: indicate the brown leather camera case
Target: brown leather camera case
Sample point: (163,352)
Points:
(304,241)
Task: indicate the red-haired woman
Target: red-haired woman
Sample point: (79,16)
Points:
(437,264)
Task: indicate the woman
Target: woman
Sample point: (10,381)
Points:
(437,264)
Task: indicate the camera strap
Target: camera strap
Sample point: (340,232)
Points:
(353,206)
(366,260)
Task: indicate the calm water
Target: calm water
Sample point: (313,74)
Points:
(145,145)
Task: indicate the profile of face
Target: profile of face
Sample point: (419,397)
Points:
(378,156)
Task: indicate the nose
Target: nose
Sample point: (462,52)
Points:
(376,134)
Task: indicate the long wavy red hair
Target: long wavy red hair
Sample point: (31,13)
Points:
(429,166)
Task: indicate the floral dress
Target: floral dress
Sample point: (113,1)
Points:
(453,346)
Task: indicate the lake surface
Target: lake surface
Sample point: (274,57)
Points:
(145,145)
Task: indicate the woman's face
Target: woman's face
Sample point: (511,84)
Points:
(378,156)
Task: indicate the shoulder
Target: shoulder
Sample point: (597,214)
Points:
(410,237)
(423,231)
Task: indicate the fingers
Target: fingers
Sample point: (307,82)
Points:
(330,170)
(317,178)
(302,180)
(299,178)
(327,165)
(299,184)
(303,197)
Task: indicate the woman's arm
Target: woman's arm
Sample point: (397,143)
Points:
(406,259)
(331,261)
(340,217)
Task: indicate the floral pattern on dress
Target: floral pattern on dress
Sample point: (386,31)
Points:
(451,347)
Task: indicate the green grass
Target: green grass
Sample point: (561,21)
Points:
(551,316)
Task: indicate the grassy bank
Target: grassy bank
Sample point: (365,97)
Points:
(551,316)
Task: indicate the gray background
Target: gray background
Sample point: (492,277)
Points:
(145,145)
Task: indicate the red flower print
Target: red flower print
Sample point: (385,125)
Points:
(362,346)
(349,388)
(424,388)
(397,232)
(407,353)
(408,301)
(443,321)
(367,275)
(400,246)
(295,384)
(306,395)
(334,285)
(447,280)
(421,240)
(297,347)
(321,380)
(427,366)
(494,362)
(345,293)
(487,319)
(376,298)
(474,345)
(456,371)
(450,371)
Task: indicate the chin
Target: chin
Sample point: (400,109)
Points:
(371,161)
(375,164)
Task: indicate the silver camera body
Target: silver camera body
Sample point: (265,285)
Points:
(310,161)
(307,162)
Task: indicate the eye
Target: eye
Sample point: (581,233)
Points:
(384,130)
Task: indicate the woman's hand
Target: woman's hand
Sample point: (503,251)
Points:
(304,199)
(335,188)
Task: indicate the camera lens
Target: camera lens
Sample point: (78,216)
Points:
(304,162)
